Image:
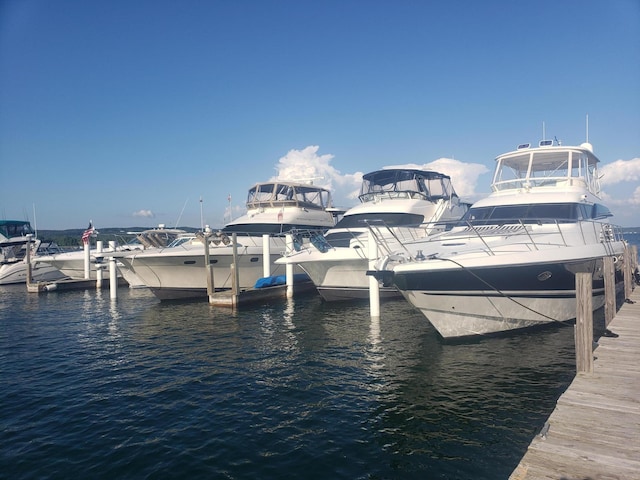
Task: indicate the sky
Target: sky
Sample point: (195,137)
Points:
(135,113)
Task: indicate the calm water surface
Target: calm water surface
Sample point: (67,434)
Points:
(293,389)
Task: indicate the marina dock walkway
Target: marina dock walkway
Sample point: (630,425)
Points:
(594,431)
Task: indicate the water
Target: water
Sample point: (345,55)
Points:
(294,389)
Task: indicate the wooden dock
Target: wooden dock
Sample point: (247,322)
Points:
(594,431)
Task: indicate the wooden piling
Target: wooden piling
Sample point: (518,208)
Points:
(584,322)
(609,290)
(628,271)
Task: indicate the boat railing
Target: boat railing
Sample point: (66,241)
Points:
(532,234)
(535,182)
(392,194)
(282,203)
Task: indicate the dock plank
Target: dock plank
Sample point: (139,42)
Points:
(594,431)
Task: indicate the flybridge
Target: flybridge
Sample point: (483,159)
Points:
(547,166)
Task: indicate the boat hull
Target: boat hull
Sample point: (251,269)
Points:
(482,300)
(181,274)
(343,277)
(17,273)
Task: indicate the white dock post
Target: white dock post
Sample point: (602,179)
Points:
(87,259)
(289,266)
(28,258)
(99,245)
(374,286)
(235,271)
(207,264)
(266,255)
(113,273)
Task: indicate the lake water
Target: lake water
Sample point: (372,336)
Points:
(136,388)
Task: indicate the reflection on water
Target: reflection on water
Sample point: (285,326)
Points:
(137,388)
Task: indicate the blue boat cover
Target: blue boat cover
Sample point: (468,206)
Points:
(274,280)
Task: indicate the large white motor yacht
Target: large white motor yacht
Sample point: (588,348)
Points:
(511,261)
(273,208)
(410,203)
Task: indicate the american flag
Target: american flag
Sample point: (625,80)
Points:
(87,233)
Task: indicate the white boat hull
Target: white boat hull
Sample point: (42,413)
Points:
(482,296)
(341,274)
(17,273)
(180,273)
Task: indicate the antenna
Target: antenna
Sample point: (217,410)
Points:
(544,135)
(587,128)
(181,212)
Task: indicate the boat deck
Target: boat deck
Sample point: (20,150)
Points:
(594,431)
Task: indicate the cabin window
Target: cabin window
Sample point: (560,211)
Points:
(600,211)
(389,219)
(527,213)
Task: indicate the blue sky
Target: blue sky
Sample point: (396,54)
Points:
(129,112)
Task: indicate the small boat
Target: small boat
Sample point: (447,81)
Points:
(411,202)
(72,264)
(273,209)
(15,237)
(510,262)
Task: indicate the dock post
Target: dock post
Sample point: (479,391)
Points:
(628,272)
(235,273)
(266,255)
(87,259)
(113,273)
(374,286)
(609,290)
(99,245)
(28,258)
(207,263)
(289,266)
(584,322)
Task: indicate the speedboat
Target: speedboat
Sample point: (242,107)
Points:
(273,209)
(72,264)
(15,237)
(412,203)
(510,262)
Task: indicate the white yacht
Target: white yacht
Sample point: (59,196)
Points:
(274,208)
(410,202)
(72,263)
(15,237)
(510,263)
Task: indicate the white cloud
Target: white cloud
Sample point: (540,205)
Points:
(306,165)
(144,213)
(620,171)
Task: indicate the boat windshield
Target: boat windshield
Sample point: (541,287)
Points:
(534,213)
(15,228)
(282,194)
(405,183)
(545,167)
